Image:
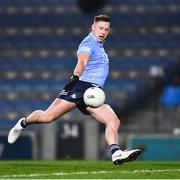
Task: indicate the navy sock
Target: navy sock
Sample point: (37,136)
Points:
(23,123)
(113,148)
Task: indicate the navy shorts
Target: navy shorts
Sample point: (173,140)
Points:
(76,95)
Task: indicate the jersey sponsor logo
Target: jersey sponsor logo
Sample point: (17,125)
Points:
(105,58)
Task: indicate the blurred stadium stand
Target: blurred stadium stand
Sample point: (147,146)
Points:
(38,43)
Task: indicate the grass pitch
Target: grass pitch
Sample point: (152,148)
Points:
(89,170)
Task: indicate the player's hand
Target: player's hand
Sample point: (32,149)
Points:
(74,79)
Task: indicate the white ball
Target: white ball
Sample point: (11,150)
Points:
(94,97)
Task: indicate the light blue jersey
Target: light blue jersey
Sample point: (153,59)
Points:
(97,68)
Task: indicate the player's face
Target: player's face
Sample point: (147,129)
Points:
(101,29)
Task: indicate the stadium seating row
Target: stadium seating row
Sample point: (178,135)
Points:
(20,63)
(64,31)
(67,41)
(117,20)
(72,2)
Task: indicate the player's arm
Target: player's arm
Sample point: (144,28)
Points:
(80,66)
(81,63)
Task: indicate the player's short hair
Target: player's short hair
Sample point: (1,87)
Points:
(102,17)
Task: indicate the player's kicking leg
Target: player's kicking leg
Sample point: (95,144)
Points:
(55,111)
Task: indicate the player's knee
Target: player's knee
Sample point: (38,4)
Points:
(115,123)
(118,123)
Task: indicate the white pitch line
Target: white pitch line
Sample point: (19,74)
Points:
(89,172)
(156,170)
(57,174)
(151,170)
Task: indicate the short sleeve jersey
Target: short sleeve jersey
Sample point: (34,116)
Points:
(97,68)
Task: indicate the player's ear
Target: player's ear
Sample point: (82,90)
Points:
(92,27)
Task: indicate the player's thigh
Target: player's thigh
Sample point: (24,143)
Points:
(104,114)
(59,107)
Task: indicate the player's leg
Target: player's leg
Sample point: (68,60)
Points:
(107,116)
(58,108)
(104,114)
(55,111)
